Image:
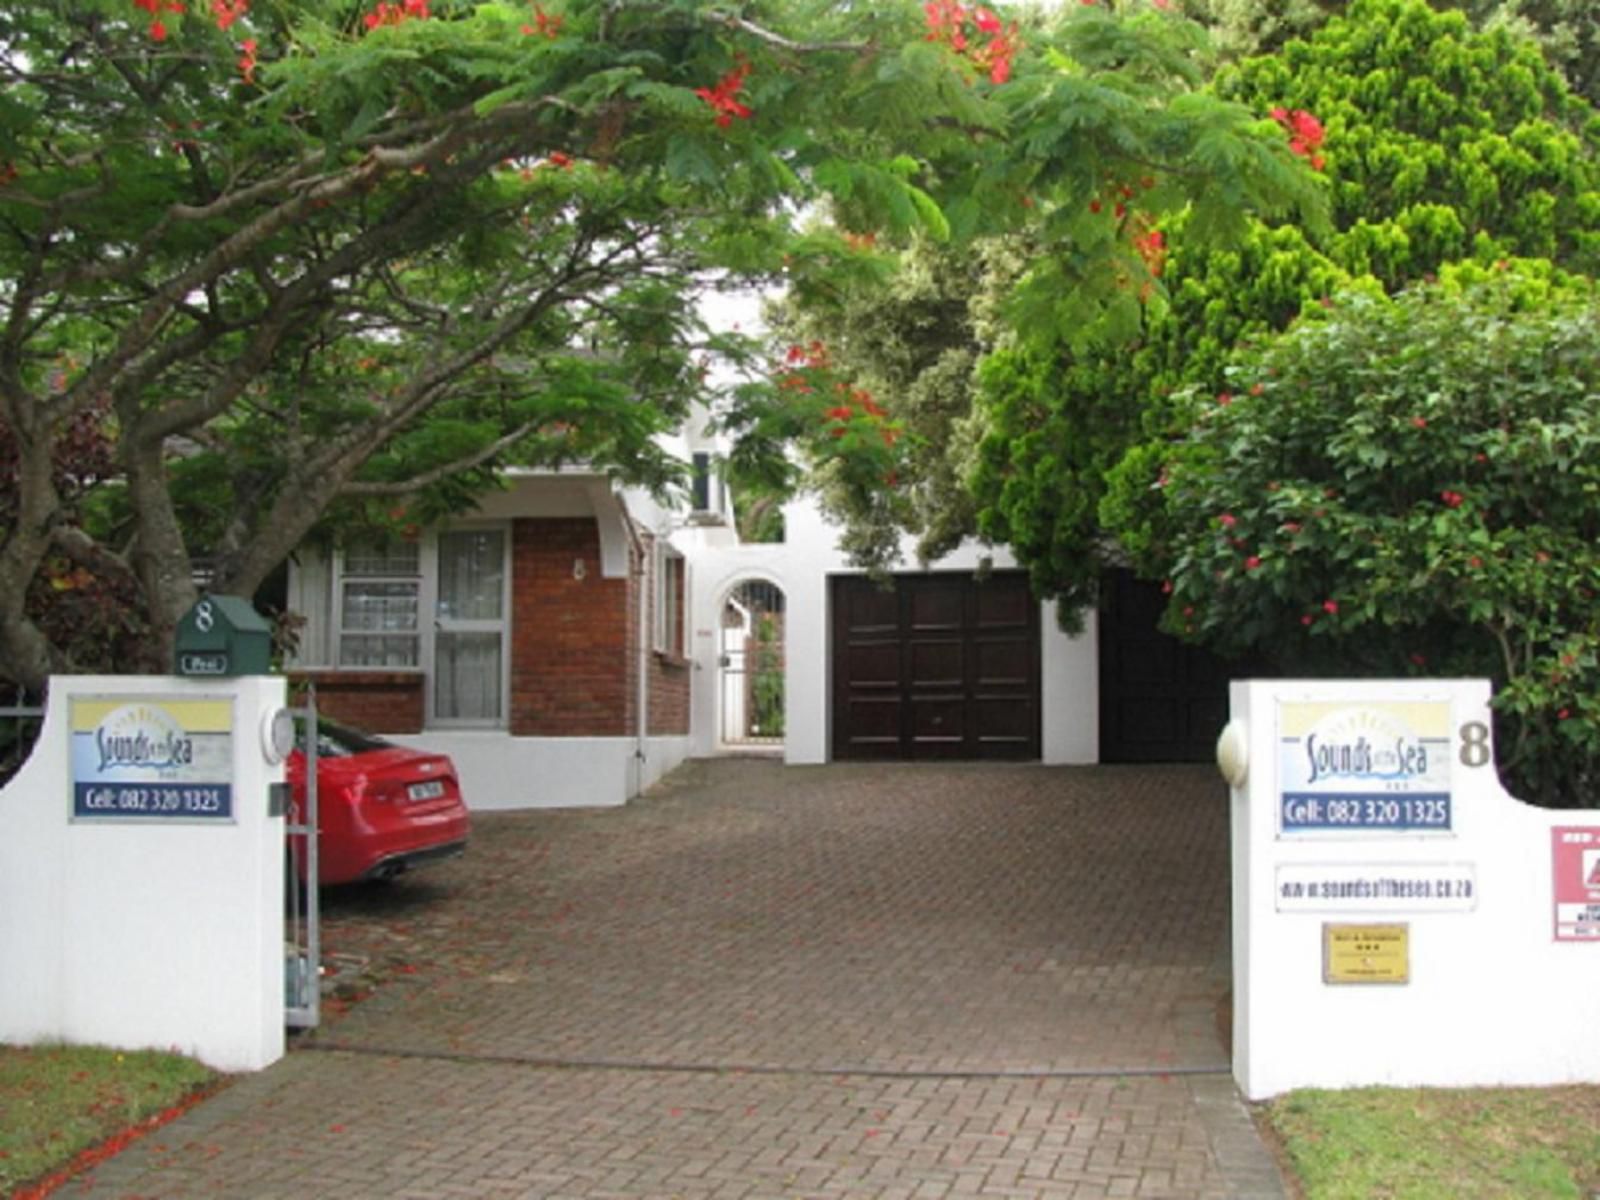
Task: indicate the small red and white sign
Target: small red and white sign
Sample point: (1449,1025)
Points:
(1577,882)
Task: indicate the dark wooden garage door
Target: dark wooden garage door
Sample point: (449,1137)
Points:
(1161,699)
(942,666)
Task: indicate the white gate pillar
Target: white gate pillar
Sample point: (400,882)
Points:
(1398,918)
(141,873)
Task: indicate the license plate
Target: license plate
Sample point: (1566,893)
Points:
(430,790)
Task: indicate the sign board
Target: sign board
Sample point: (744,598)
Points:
(149,758)
(1577,882)
(1366,954)
(195,662)
(1376,887)
(1371,768)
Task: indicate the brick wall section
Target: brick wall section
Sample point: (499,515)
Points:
(572,659)
(669,695)
(670,674)
(377,701)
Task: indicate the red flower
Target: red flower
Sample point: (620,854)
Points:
(1305,133)
(544,24)
(721,97)
(1330,607)
(1166,587)
(947,22)
(1452,499)
(1224,398)
(158,31)
(1420,422)
(1227,520)
(397,13)
(247,60)
(1257,388)
(1153,249)
(1563,714)
(227,12)
(1251,563)
(1306,619)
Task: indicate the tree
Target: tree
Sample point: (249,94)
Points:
(912,342)
(316,251)
(1250,28)
(1438,144)
(1131,143)
(1408,486)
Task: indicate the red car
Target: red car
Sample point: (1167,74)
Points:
(382,808)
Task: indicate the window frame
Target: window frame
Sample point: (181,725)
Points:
(669,601)
(343,576)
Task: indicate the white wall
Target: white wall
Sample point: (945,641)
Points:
(498,771)
(158,933)
(801,566)
(1493,997)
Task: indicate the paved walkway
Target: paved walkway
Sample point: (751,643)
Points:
(846,981)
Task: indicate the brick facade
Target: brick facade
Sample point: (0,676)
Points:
(669,695)
(377,701)
(574,646)
(572,659)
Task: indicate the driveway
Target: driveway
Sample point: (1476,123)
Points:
(908,981)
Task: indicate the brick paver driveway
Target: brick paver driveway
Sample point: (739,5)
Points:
(758,981)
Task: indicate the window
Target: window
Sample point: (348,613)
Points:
(379,595)
(669,601)
(701,481)
(469,624)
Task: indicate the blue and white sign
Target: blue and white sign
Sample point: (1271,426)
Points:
(152,758)
(1370,768)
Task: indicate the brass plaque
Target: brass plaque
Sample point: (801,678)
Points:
(1366,953)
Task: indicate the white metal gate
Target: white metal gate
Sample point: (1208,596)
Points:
(751,660)
(302,931)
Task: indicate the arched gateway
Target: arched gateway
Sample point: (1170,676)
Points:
(750,662)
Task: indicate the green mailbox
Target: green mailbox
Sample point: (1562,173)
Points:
(224,635)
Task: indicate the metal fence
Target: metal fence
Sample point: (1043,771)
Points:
(20,722)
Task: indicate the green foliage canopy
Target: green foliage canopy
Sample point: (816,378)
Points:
(307,253)
(1441,144)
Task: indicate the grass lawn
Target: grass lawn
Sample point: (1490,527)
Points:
(58,1101)
(1449,1144)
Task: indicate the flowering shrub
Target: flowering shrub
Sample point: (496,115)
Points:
(1497,164)
(1407,486)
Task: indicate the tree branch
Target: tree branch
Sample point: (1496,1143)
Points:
(406,487)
